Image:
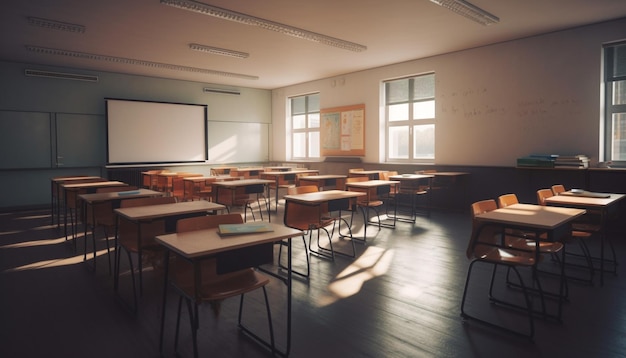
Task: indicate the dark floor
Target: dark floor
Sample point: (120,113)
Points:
(399,298)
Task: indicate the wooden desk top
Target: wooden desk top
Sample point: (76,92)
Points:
(242,182)
(322,177)
(69,179)
(131,194)
(449,174)
(371,183)
(199,243)
(216,177)
(92,185)
(411,176)
(586,201)
(164,210)
(279,173)
(532,216)
(251,169)
(323,196)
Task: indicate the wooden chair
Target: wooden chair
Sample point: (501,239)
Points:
(376,198)
(129,240)
(219,279)
(578,235)
(485,247)
(308,219)
(558,189)
(247,195)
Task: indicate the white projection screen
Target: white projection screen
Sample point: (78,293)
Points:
(142,132)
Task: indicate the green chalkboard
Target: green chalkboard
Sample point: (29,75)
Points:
(25,140)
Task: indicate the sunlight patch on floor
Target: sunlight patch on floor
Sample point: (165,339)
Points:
(54,263)
(374,262)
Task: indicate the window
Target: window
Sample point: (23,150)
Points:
(410,118)
(615,102)
(305,126)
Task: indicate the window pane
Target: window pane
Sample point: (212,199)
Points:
(424,87)
(314,102)
(314,120)
(399,112)
(398,142)
(619,92)
(619,61)
(397,91)
(619,136)
(299,145)
(299,121)
(314,144)
(422,110)
(298,105)
(424,141)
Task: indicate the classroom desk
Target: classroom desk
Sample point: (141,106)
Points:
(555,221)
(333,181)
(318,204)
(247,173)
(168,212)
(226,192)
(284,178)
(606,206)
(70,194)
(370,174)
(197,245)
(410,185)
(374,190)
(55,192)
(91,201)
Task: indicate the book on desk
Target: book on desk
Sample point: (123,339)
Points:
(244,228)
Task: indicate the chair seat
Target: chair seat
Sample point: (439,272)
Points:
(546,247)
(221,287)
(372,203)
(502,256)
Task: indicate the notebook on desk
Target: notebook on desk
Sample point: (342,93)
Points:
(585,193)
(245,228)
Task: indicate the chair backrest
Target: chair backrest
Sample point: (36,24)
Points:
(483,237)
(356,179)
(130,203)
(542,195)
(302,189)
(507,199)
(558,189)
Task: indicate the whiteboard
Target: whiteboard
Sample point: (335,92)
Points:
(237,142)
(141,132)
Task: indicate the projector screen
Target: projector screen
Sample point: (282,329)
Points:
(141,132)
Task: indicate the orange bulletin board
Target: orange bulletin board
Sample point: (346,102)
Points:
(342,131)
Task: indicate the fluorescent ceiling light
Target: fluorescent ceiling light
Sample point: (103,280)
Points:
(218,51)
(468,10)
(241,18)
(55,25)
(131,61)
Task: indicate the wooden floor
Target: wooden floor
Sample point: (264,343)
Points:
(399,298)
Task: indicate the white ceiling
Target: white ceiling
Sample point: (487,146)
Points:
(393,30)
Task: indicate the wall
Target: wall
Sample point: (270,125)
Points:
(494,104)
(72,113)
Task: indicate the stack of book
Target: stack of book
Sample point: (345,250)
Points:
(537,160)
(572,161)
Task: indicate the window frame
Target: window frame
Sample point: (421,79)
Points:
(306,129)
(609,108)
(411,123)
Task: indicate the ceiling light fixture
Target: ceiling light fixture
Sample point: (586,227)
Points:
(468,10)
(225,14)
(55,25)
(131,61)
(218,51)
